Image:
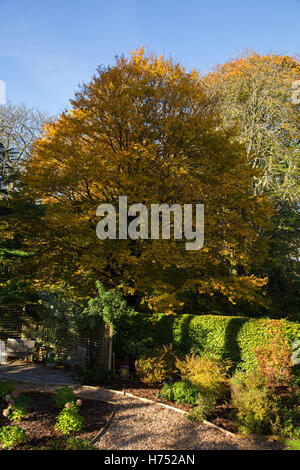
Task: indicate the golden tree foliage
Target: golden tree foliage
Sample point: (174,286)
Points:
(145,128)
(254,92)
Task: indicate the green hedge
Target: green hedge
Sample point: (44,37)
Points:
(233,338)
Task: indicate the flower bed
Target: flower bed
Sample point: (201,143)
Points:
(39,424)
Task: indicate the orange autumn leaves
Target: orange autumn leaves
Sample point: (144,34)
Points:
(147,129)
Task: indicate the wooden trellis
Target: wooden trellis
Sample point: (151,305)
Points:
(15,324)
(11,321)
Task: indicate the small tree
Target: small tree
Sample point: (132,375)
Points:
(108,307)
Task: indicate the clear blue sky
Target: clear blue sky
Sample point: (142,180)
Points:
(48,47)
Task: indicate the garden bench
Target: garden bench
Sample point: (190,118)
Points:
(20,348)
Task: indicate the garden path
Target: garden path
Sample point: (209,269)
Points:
(137,424)
(34,374)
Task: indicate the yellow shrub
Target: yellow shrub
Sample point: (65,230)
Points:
(208,374)
(158,367)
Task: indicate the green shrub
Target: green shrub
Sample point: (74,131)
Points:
(227,337)
(63,443)
(293,444)
(75,443)
(296,375)
(260,409)
(205,405)
(207,374)
(256,411)
(92,375)
(233,338)
(52,444)
(287,422)
(52,357)
(19,409)
(64,395)
(180,392)
(11,436)
(6,388)
(288,428)
(156,368)
(69,419)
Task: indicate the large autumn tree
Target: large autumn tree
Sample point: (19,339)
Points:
(146,128)
(254,93)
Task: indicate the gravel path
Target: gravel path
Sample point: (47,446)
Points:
(139,425)
(143,426)
(35,374)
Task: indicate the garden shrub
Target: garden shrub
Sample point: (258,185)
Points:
(93,375)
(256,410)
(287,422)
(64,443)
(157,367)
(52,444)
(293,444)
(6,388)
(205,405)
(54,358)
(64,395)
(135,335)
(233,338)
(69,419)
(11,436)
(274,358)
(260,409)
(18,409)
(227,337)
(76,443)
(207,374)
(296,375)
(180,392)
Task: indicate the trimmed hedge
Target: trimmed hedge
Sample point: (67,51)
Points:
(233,338)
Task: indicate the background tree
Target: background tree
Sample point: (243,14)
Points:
(19,127)
(254,93)
(7,173)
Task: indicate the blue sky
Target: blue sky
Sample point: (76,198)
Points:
(48,47)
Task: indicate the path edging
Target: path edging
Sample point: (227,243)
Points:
(147,400)
(208,423)
(173,408)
